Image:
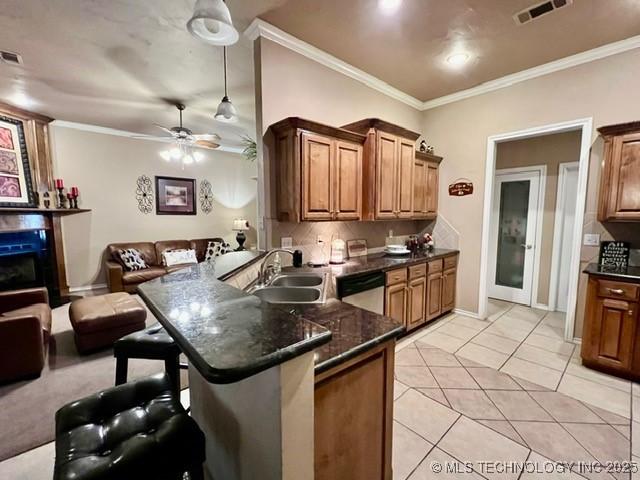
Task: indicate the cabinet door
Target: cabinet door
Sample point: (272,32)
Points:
(348,179)
(417,297)
(419,188)
(448,290)
(613,332)
(624,188)
(406,160)
(395,304)
(386,175)
(432,189)
(434,295)
(317,177)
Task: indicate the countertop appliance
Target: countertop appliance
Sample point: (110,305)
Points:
(364,291)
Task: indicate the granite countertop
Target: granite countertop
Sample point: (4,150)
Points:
(225,333)
(383,262)
(627,273)
(228,264)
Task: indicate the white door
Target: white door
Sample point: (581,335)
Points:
(568,182)
(514,220)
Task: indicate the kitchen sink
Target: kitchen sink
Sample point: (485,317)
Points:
(298,280)
(288,294)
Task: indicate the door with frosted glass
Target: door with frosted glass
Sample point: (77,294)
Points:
(514,219)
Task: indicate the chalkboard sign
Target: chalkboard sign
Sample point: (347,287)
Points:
(614,254)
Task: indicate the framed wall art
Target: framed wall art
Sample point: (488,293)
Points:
(175,196)
(16,189)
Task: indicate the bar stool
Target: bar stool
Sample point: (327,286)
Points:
(136,431)
(153,343)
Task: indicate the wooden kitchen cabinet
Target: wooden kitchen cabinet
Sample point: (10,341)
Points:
(610,338)
(317,170)
(388,169)
(395,302)
(425,187)
(619,198)
(417,291)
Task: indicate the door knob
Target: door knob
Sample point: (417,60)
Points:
(528,247)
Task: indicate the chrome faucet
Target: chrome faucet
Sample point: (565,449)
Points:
(266,270)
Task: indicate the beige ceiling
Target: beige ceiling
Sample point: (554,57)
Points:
(408,49)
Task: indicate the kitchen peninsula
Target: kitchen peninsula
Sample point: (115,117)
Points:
(276,388)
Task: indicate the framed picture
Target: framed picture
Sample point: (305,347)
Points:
(16,189)
(357,248)
(175,196)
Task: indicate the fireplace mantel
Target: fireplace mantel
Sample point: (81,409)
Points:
(28,219)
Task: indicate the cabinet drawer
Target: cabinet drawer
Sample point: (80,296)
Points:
(618,290)
(435,266)
(418,271)
(450,262)
(396,276)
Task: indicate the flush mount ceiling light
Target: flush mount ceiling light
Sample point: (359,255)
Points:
(458,59)
(389,5)
(226,111)
(211,22)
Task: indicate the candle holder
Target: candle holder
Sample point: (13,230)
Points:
(47,200)
(61,198)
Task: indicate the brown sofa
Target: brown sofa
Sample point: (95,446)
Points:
(120,280)
(25,329)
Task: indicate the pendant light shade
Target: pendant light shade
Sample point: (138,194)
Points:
(226,112)
(211,22)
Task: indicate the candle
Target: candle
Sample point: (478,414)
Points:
(70,195)
(59,183)
(75,191)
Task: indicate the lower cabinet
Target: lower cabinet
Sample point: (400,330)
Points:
(420,293)
(611,338)
(353,417)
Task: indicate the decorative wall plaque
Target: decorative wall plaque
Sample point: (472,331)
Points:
(357,248)
(144,194)
(206,196)
(614,254)
(461,187)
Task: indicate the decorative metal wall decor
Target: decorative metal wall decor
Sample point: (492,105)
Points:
(144,194)
(206,196)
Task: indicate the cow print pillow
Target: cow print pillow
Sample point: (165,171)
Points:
(215,249)
(132,259)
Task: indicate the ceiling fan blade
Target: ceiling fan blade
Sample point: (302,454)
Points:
(169,131)
(206,144)
(207,136)
(154,138)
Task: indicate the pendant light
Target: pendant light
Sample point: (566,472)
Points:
(226,111)
(211,23)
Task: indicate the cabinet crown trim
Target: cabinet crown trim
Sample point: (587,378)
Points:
(316,127)
(619,129)
(428,157)
(363,126)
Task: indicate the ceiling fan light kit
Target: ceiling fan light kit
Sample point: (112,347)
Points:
(211,23)
(226,111)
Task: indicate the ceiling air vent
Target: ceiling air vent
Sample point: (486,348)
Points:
(11,58)
(538,10)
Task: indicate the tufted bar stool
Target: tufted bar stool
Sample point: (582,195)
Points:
(153,343)
(136,431)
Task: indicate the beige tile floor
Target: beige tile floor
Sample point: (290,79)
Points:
(508,389)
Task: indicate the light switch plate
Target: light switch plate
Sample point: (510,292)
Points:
(591,239)
(286,242)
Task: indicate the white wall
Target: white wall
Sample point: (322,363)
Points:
(105,169)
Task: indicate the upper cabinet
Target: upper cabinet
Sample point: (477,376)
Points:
(619,198)
(318,171)
(425,185)
(388,166)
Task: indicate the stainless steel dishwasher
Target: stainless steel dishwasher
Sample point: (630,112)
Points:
(364,291)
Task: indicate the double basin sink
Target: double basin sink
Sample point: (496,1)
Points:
(293,288)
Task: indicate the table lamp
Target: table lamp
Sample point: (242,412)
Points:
(240,225)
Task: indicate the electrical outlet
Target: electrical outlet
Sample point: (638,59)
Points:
(390,233)
(591,239)
(286,242)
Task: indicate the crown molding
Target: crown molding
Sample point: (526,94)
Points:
(541,70)
(85,127)
(260,28)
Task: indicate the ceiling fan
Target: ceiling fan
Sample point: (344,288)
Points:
(184,136)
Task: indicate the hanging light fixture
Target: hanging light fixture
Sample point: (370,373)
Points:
(211,22)
(226,111)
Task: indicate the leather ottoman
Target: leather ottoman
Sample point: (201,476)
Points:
(101,320)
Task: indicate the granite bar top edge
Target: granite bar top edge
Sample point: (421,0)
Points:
(631,273)
(354,352)
(260,255)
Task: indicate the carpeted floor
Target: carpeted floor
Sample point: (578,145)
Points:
(27,408)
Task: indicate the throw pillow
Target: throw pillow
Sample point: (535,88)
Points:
(215,249)
(178,257)
(132,259)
